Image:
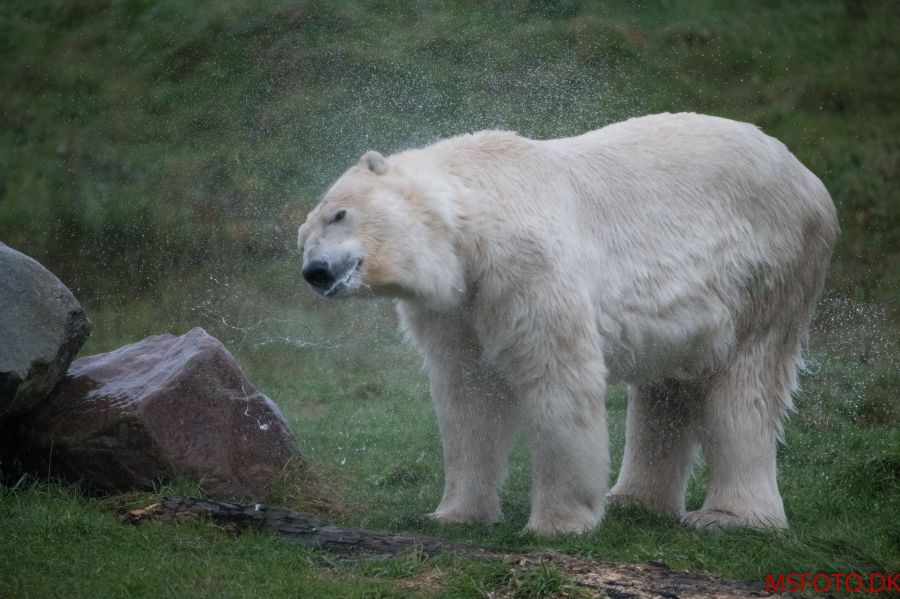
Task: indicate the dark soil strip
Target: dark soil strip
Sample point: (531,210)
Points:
(615,580)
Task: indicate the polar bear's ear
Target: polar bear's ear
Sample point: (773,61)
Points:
(374,161)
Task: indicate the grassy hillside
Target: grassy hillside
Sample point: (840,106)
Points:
(144,138)
(158,156)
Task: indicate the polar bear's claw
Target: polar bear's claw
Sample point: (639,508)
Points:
(717,520)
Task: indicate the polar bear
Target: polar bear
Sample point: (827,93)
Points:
(681,254)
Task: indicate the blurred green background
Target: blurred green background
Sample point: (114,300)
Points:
(159,155)
(147,144)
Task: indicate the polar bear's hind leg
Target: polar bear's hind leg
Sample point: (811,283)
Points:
(660,446)
(739,430)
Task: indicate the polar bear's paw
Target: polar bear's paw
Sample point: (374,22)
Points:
(578,522)
(716,520)
(467,514)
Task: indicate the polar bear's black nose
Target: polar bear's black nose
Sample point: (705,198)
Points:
(318,274)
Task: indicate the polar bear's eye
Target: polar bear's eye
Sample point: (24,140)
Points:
(340,215)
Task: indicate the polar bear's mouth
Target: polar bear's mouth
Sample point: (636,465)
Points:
(344,281)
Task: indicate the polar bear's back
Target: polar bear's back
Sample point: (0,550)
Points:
(699,186)
(693,160)
(692,225)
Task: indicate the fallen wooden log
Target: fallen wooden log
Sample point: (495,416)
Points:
(601,578)
(297,528)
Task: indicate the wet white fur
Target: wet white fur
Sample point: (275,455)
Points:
(679,253)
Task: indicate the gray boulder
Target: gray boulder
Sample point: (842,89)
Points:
(42,327)
(125,419)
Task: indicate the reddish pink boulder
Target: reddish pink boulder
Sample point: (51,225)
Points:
(124,419)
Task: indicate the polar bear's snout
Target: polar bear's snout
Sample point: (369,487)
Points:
(330,278)
(318,273)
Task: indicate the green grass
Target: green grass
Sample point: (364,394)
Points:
(361,412)
(159,155)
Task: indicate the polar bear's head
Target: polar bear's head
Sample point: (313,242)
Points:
(381,229)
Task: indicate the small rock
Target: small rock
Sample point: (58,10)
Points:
(127,418)
(42,327)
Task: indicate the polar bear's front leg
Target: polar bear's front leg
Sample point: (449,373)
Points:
(475,412)
(477,421)
(545,342)
(570,457)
